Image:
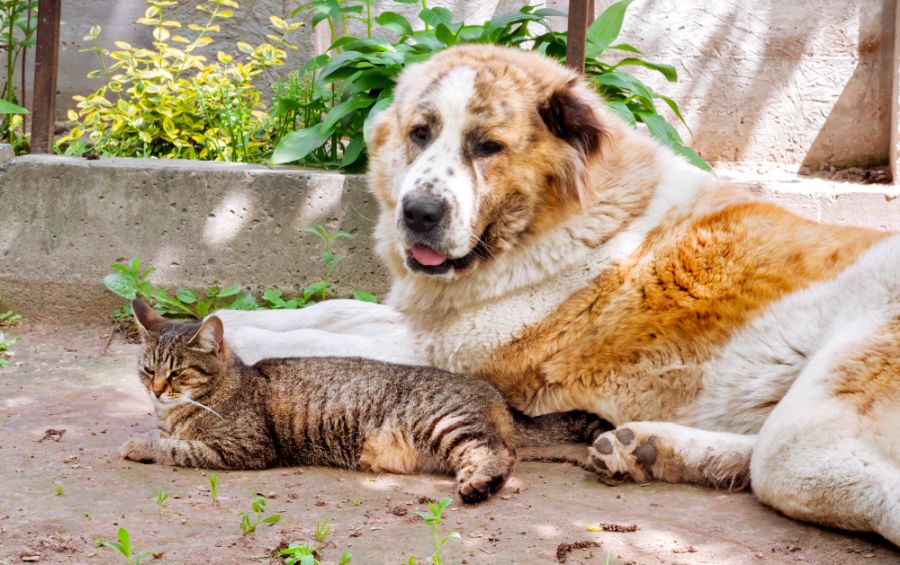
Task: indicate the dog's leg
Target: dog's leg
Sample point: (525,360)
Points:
(663,451)
(830,451)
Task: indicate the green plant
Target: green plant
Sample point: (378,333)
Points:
(8,318)
(355,78)
(161,498)
(322,530)
(59,490)
(18,24)
(170,101)
(330,259)
(252,519)
(123,546)
(214,488)
(433,519)
(130,281)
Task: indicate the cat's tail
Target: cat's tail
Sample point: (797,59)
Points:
(557,428)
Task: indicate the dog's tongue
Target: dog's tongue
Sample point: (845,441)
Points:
(427,256)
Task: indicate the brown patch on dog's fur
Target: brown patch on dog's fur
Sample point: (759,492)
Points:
(679,299)
(871,374)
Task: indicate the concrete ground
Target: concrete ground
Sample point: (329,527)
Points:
(58,493)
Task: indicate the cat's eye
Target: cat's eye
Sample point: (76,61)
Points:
(148,370)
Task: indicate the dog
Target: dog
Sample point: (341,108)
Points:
(537,241)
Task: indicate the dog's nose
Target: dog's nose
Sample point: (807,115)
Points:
(422,213)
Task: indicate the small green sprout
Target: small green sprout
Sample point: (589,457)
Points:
(250,520)
(161,503)
(322,530)
(214,488)
(59,490)
(433,519)
(123,546)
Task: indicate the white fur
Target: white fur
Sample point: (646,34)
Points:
(342,328)
(450,101)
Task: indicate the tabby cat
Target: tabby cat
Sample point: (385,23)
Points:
(217,413)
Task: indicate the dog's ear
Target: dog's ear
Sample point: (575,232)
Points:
(569,115)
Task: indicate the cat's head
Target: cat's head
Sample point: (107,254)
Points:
(179,361)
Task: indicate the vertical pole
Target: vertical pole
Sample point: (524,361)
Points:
(46,65)
(894,149)
(581,14)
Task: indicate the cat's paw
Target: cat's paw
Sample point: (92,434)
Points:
(485,475)
(136,449)
(620,455)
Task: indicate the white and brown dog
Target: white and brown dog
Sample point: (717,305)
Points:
(538,242)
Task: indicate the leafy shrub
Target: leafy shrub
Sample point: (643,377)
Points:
(18,24)
(170,101)
(334,94)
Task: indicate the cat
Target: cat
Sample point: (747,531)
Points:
(216,412)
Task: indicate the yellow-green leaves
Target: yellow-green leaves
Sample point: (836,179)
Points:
(171,101)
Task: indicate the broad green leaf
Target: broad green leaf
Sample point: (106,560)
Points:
(298,144)
(444,35)
(185,295)
(338,112)
(623,112)
(354,149)
(692,156)
(394,22)
(365,296)
(229,291)
(606,28)
(7,107)
(121,284)
(667,71)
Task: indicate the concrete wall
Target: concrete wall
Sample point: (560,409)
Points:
(803,83)
(64,220)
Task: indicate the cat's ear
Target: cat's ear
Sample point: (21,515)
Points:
(147,319)
(210,335)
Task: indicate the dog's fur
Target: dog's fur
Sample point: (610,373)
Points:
(587,267)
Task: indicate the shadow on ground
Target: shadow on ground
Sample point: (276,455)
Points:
(57,380)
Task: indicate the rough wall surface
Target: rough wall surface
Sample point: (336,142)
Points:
(65,220)
(803,83)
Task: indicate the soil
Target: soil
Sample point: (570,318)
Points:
(65,410)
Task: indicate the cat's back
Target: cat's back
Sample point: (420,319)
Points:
(369,376)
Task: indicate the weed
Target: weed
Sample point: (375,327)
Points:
(161,504)
(250,520)
(8,318)
(214,488)
(5,344)
(130,281)
(322,530)
(298,553)
(123,546)
(433,519)
(59,490)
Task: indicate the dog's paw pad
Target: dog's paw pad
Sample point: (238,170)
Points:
(621,455)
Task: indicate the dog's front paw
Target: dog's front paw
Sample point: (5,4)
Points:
(136,449)
(621,454)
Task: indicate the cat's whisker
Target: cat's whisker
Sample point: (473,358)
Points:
(205,407)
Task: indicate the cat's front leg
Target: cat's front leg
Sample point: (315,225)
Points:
(178,452)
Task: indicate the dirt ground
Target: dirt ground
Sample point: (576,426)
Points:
(60,492)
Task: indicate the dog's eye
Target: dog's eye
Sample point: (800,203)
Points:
(420,135)
(488,148)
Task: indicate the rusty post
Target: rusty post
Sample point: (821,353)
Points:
(46,65)
(581,14)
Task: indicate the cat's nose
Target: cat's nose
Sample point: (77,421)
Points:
(158,388)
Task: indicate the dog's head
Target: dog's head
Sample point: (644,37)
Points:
(482,148)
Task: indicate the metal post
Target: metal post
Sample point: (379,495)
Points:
(46,65)
(581,14)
